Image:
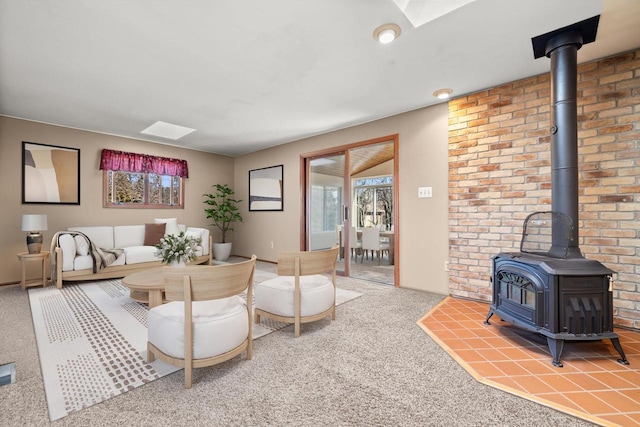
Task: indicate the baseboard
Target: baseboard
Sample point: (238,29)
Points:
(10,283)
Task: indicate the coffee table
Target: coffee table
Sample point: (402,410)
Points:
(146,286)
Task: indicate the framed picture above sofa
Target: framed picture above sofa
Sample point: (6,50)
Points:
(266,189)
(50,174)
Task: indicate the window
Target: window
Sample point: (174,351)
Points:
(132,189)
(327,201)
(140,181)
(374,201)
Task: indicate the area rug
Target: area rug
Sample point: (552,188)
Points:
(92,339)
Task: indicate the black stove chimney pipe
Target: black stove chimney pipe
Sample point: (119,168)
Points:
(561,46)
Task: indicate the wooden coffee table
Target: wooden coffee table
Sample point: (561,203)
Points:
(146,286)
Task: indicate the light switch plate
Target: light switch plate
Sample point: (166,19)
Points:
(424,192)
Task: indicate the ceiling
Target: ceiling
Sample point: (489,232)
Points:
(250,74)
(360,159)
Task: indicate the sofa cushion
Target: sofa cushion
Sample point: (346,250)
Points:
(203,234)
(128,235)
(102,236)
(138,254)
(68,246)
(82,246)
(83,262)
(172,225)
(153,233)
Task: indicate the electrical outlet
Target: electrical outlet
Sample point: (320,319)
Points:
(425,192)
(446,266)
(271,245)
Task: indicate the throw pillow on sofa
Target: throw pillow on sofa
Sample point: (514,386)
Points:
(153,233)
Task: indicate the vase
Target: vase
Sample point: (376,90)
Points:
(177,263)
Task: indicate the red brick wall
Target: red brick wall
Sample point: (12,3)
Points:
(499,172)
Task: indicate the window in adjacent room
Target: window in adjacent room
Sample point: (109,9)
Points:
(140,181)
(326,200)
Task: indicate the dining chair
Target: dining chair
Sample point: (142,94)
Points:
(206,321)
(304,290)
(354,242)
(371,242)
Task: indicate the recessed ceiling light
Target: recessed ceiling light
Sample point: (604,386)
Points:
(167,130)
(443,93)
(386,33)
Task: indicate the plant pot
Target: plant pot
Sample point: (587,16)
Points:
(221,251)
(177,263)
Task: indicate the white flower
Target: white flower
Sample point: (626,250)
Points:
(177,248)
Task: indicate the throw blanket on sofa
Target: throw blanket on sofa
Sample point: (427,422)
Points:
(101,257)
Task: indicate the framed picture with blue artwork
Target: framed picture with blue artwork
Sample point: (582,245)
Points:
(50,174)
(266,189)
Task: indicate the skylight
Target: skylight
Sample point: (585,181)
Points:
(167,130)
(419,12)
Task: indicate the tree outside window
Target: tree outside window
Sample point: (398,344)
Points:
(374,201)
(134,189)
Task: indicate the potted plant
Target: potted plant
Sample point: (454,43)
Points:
(223,210)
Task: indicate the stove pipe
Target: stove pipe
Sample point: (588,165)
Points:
(561,46)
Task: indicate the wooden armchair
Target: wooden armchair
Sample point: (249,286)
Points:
(302,292)
(206,322)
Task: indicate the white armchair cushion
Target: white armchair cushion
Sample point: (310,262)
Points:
(172,225)
(276,295)
(138,254)
(68,246)
(218,327)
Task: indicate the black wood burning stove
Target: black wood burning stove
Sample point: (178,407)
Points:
(564,299)
(549,287)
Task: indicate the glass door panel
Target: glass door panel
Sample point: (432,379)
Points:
(328,206)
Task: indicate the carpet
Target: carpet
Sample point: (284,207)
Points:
(92,338)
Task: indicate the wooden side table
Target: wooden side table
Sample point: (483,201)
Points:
(26,257)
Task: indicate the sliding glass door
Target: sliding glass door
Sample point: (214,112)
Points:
(346,190)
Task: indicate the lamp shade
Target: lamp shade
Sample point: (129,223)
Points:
(34,222)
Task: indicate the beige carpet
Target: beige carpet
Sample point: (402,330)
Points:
(92,342)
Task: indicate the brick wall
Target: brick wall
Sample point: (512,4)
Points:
(499,172)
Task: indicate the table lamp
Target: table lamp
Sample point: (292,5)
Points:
(34,224)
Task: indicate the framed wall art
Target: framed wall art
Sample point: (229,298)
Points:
(50,174)
(266,189)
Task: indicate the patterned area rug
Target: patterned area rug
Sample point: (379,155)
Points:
(92,342)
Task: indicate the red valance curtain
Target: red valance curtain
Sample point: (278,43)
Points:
(142,163)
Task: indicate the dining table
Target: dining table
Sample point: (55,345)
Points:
(390,235)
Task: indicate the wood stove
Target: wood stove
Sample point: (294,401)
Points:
(549,287)
(564,299)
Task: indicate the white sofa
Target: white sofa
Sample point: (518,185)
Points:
(73,261)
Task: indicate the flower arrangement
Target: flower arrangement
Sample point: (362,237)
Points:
(177,248)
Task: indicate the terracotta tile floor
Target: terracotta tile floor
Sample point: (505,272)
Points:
(591,385)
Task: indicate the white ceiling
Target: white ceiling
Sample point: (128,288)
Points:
(250,74)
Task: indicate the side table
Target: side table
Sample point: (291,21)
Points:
(26,257)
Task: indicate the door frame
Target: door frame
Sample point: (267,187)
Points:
(344,149)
